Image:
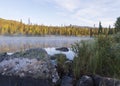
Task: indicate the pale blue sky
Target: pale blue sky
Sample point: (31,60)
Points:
(62,12)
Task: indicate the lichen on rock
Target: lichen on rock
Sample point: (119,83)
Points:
(30,63)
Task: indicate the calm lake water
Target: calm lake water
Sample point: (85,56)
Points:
(22,43)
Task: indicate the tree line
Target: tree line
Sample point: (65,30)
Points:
(10,27)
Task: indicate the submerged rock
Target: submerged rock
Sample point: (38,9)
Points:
(64,49)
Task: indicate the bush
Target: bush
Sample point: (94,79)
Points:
(100,56)
(116,37)
(60,59)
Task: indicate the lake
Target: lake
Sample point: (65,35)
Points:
(12,44)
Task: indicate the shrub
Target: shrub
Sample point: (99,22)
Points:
(116,37)
(100,56)
(61,59)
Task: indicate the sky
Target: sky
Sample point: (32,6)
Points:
(62,12)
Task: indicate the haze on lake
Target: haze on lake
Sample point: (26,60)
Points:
(21,43)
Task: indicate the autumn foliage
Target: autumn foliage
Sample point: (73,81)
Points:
(10,27)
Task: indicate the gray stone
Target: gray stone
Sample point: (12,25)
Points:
(67,81)
(105,81)
(96,80)
(3,56)
(64,49)
(85,81)
(37,53)
(33,63)
(23,81)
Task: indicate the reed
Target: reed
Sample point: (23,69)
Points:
(100,56)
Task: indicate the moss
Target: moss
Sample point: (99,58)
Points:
(31,53)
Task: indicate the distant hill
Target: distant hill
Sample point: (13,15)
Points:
(8,22)
(12,27)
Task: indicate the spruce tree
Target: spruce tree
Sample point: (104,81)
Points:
(117,25)
(100,28)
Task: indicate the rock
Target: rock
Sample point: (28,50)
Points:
(22,81)
(25,67)
(64,49)
(3,56)
(34,63)
(67,81)
(96,80)
(85,81)
(37,53)
(105,81)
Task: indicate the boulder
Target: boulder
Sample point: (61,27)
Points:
(96,80)
(67,81)
(3,56)
(64,49)
(85,81)
(37,53)
(22,81)
(33,63)
(105,81)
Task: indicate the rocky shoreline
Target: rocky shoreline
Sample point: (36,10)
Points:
(6,80)
(34,67)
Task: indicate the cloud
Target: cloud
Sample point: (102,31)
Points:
(69,5)
(92,12)
(87,12)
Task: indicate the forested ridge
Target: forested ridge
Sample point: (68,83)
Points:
(11,27)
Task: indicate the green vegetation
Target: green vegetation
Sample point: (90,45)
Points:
(10,27)
(100,28)
(61,59)
(100,56)
(117,25)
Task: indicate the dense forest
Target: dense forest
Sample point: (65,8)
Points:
(11,27)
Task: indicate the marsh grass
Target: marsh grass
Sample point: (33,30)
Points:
(100,56)
(14,48)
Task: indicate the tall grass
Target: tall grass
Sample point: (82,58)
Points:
(100,56)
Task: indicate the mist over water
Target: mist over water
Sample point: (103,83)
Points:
(8,43)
